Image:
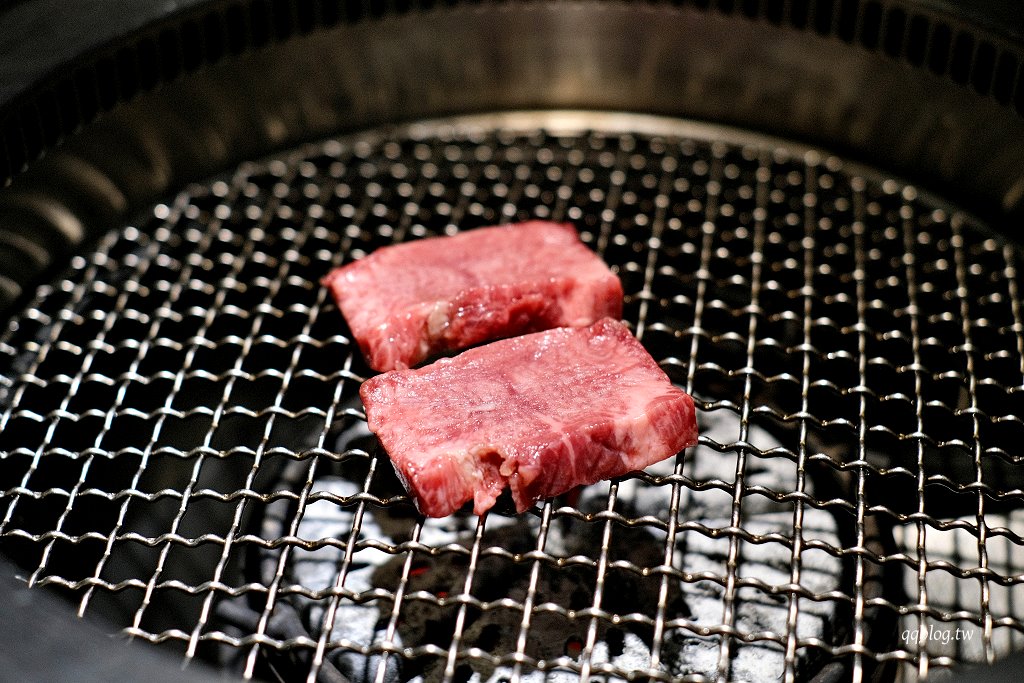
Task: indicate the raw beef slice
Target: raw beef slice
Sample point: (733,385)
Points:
(542,413)
(409,301)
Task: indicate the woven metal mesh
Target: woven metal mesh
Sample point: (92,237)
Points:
(187,382)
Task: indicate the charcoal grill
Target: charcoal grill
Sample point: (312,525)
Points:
(183,455)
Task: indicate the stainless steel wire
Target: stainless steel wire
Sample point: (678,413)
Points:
(153,396)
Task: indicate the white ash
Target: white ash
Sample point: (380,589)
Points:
(683,652)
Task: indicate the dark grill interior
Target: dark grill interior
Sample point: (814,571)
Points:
(184,453)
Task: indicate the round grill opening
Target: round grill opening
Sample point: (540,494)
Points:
(185,454)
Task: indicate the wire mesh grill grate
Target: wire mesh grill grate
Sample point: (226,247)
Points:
(183,449)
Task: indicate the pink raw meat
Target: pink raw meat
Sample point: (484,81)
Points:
(542,413)
(409,301)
